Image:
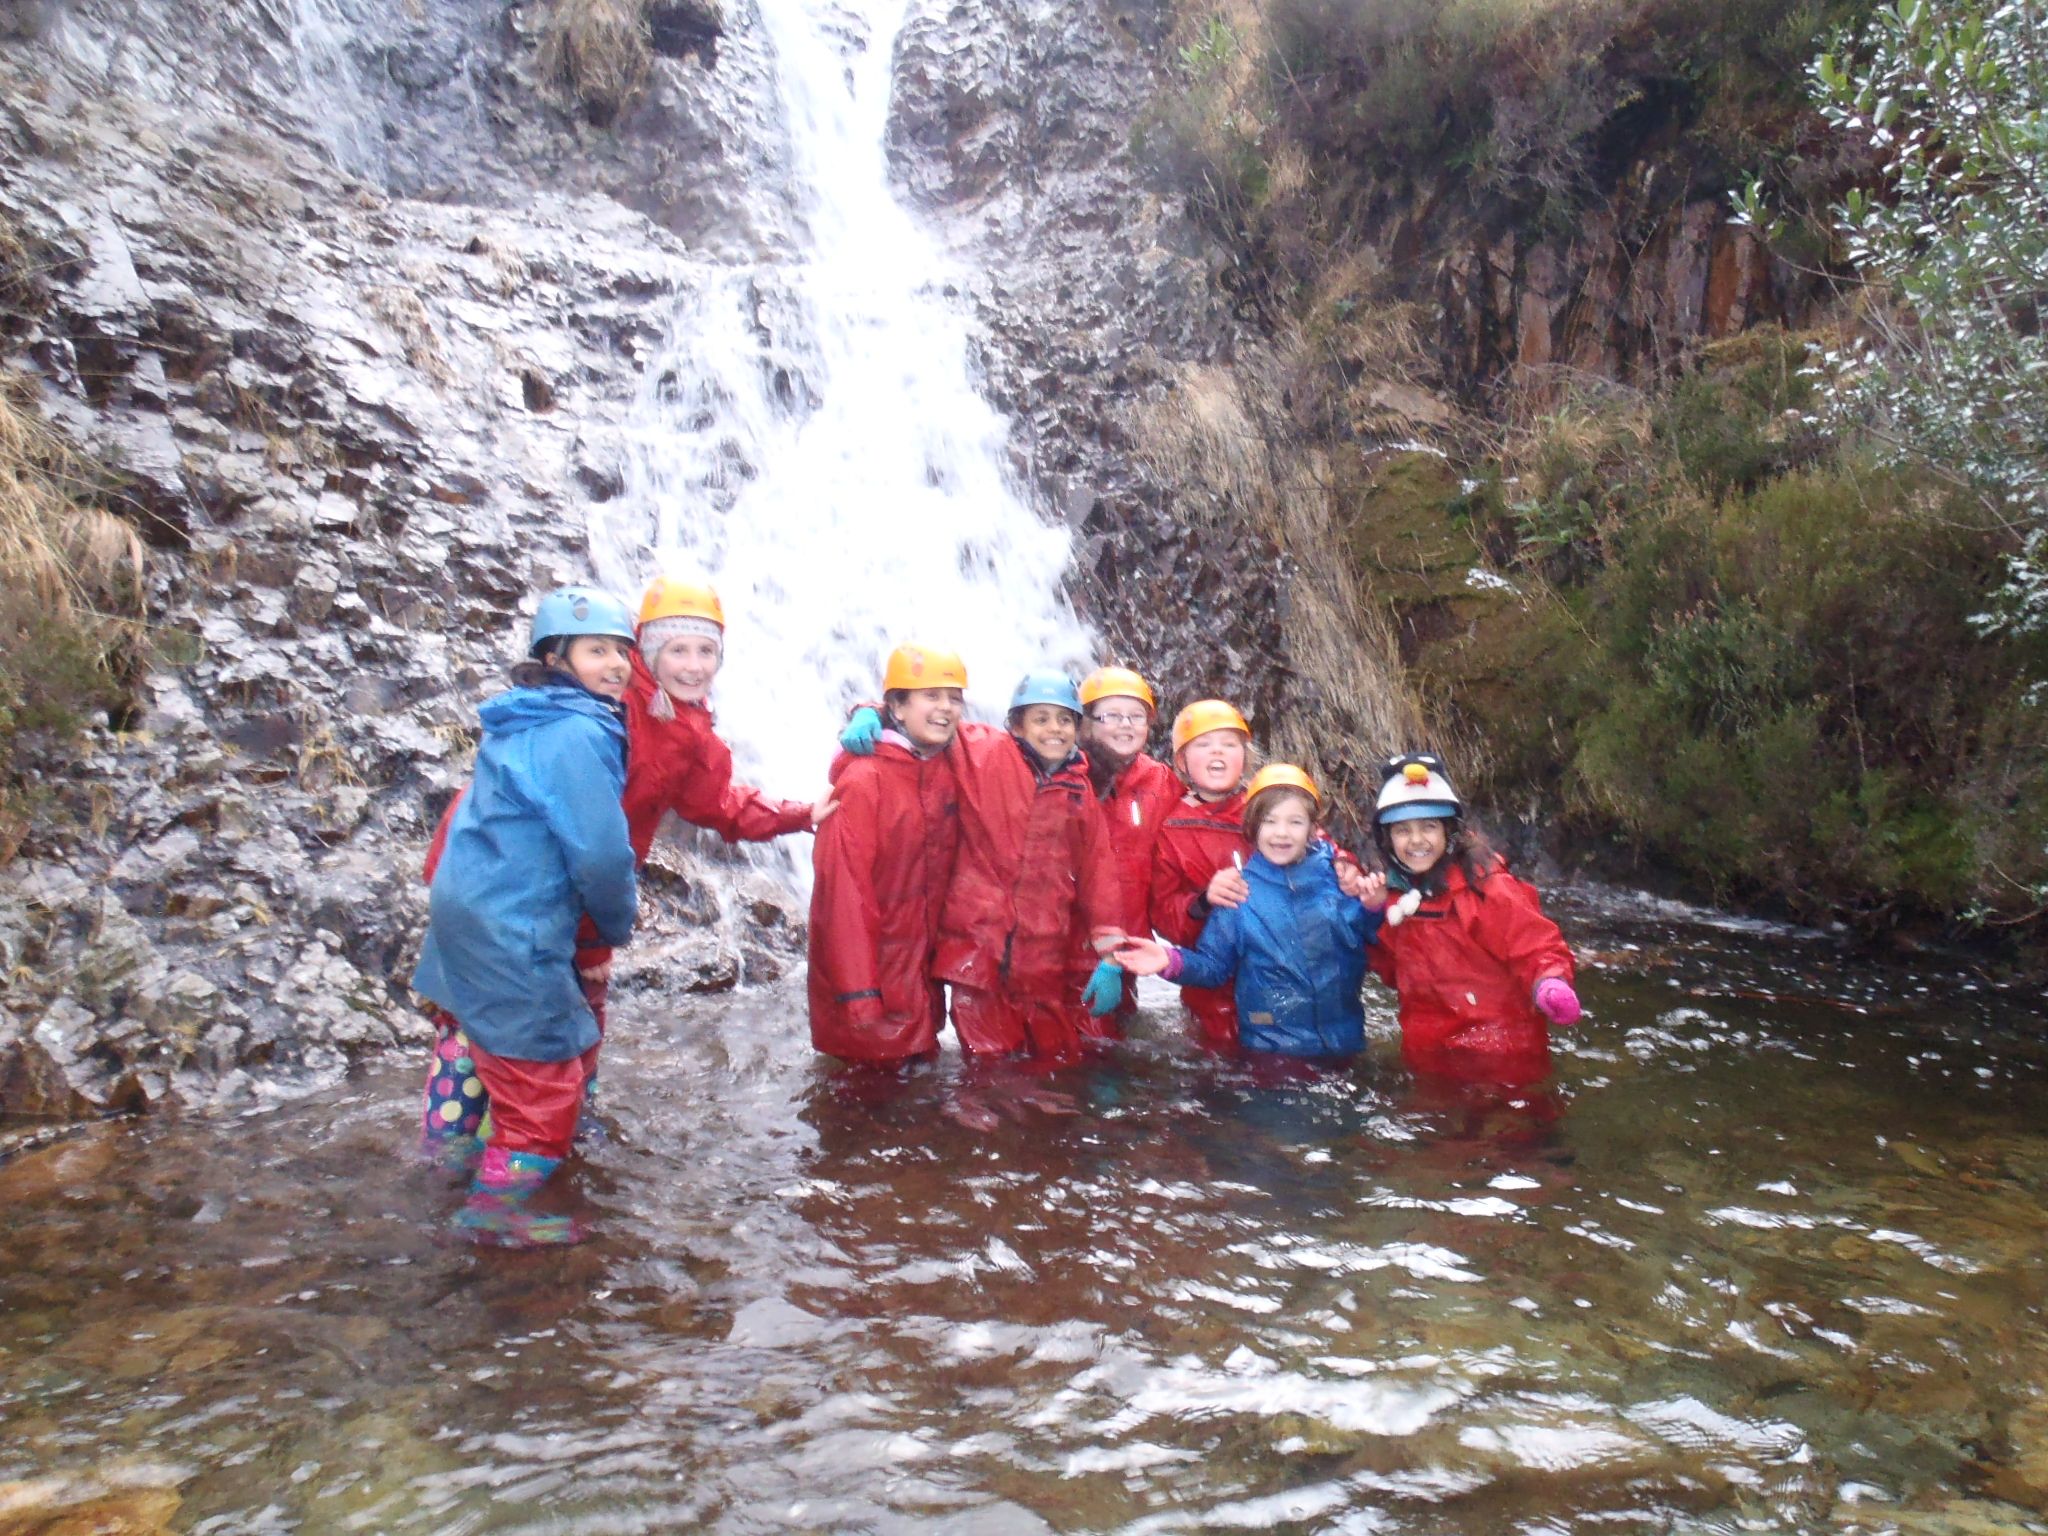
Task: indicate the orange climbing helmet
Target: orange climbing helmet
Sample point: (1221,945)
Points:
(1116,683)
(668,598)
(1204,716)
(1282,776)
(923,666)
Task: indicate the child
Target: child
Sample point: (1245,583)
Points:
(1137,793)
(536,845)
(882,865)
(1034,863)
(678,762)
(1296,946)
(1202,848)
(1480,971)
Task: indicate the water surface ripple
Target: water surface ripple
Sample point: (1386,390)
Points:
(1765,1254)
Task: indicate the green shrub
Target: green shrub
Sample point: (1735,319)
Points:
(1768,718)
(1738,419)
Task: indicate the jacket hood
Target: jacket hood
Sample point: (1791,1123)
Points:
(890,746)
(525,709)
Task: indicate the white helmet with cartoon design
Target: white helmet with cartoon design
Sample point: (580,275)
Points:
(1413,787)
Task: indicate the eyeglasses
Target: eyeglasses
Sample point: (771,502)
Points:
(1118,719)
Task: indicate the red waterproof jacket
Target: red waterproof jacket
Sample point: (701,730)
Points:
(1197,838)
(680,765)
(1135,808)
(1035,866)
(1465,965)
(883,863)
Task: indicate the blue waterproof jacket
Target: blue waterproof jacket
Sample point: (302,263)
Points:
(1297,949)
(539,840)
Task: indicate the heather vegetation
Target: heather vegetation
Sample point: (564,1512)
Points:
(1749,605)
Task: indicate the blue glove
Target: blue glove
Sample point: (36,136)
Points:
(863,731)
(1105,988)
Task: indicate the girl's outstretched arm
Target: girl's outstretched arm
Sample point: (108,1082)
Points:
(1210,964)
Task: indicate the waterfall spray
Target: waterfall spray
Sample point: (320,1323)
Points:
(331,94)
(812,442)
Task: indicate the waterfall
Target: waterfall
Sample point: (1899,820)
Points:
(813,441)
(331,89)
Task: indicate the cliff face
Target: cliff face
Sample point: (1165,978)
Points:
(354,303)
(1630,295)
(348,308)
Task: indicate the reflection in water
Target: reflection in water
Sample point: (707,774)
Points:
(1743,1264)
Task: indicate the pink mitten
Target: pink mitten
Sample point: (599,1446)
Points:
(1556,1000)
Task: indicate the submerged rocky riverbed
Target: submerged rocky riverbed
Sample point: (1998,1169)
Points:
(1764,1255)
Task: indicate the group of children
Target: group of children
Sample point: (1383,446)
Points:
(1029,868)
(1010,878)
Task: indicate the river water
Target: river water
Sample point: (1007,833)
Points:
(1766,1254)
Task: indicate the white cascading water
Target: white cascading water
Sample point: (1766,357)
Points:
(330,90)
(813,443)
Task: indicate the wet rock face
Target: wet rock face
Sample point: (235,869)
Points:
(1628,296)
(1011,127)
(359,429)
(357,310)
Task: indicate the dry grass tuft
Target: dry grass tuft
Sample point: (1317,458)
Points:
(71,595)
(400,308)
(598,52)
(1545,440)
(1225,434)
(506,266)
(71,561)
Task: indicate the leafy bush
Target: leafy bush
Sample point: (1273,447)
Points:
(1774,725)
(1950,97)
(1740,417)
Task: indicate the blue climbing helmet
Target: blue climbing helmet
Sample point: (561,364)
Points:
(1046,687)
(571,611)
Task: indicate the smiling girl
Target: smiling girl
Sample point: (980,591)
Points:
(1197,864)
(536,845)
(679,763)
(1035,865)
(1482,974)
(1137,793)
(1293,951)
(882,866)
